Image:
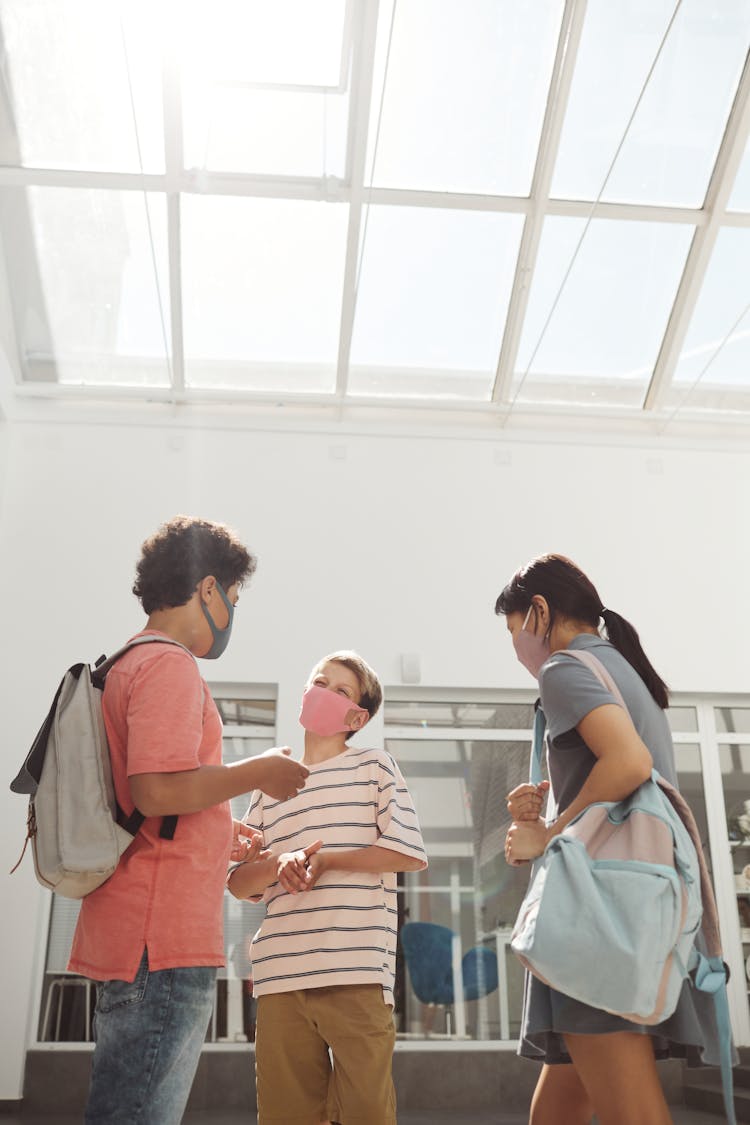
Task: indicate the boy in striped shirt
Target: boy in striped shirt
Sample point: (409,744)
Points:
(324,957)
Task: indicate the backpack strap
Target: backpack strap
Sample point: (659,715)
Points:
(537,745)
(133,822)
(711,972)
(99,672)
(711,976)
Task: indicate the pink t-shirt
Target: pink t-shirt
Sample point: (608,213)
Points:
(166,895)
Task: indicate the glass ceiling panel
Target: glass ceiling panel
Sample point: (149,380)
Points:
(266,88)
(722,309)
(262,285)
(69,73)
(88,305)
(432,301)
(287,42)
(274,132)
(668,155)
(465,92)
(605,332)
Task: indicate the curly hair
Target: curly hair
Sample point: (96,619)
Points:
(180,554)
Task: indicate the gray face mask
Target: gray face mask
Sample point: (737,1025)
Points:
(220,636)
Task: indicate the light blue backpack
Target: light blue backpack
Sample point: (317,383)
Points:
(616,902)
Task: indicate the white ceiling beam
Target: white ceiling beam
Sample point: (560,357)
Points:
(728,160)
(626,212)
(363,66)
(329,189)
(333,189)
(554,116)
(68,178)
(347,44)
(736,219)
(262,406)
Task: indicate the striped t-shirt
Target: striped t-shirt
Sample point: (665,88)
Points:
(343,930)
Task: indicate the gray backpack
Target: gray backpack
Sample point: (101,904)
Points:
(77,829)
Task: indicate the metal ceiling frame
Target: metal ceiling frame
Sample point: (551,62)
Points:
(719,190)
(562,77)
(362,23)
(363,66)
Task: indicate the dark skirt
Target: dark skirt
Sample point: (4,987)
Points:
(690,1033)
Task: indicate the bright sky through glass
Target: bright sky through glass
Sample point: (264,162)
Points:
(294,42)
(271,132)
(68,70)
(94,295)
(722,311)
(262,285)
(265,87)
(672,143)
(434,290)
(465,92)
(614,307)
(269,111)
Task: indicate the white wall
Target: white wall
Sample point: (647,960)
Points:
(385,544)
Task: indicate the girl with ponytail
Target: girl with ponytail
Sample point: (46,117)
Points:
(596,751)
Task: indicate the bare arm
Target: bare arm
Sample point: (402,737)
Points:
(370,859)
(188,791)
(250,880)
(300,875)
(623,760)
(623,763)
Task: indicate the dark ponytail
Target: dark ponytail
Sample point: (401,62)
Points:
(626,640)
(571,595)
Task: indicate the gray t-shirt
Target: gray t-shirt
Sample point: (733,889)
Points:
(569,691)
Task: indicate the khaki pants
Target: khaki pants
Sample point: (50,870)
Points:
(295,1081)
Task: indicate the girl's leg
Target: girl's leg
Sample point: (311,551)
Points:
(619,1074)
(560,1097)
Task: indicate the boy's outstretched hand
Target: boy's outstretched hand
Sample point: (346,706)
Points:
(281,777)
(295,873)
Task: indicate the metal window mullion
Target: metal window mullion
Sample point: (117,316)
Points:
(75,178)
(456,734)
(174,164)
(186,180)
(44,921)
(728,160)
(723,874)
(239,730)
(363,65)
(560,83)
(347,43)
(11,358)
(197,181)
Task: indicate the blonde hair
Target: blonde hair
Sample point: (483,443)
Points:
(370,691)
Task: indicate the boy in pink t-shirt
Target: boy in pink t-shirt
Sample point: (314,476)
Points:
(151,935)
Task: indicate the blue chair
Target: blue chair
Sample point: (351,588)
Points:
(428,949)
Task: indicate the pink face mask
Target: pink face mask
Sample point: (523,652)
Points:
(531,650)
(325,712)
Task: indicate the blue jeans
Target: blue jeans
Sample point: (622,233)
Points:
(149,1035)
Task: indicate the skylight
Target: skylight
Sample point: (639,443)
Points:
(516,207)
